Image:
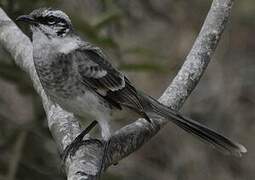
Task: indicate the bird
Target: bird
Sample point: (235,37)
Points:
(79,77)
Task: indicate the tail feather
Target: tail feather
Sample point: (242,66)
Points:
(215,139)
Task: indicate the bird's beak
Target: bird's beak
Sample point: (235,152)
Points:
(26,18)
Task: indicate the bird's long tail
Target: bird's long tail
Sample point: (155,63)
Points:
(215,139)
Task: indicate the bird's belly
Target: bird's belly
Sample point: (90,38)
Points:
(62,85)
(87,105)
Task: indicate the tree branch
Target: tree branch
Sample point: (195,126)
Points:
(133,136)
(64,127)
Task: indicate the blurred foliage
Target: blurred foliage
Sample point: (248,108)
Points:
(149,40)
(12,73)
(142,67)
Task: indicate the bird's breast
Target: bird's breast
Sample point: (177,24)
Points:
(57,75)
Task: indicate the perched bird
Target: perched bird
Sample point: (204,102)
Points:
(77,75)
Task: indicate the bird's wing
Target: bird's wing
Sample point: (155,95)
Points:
(97,73)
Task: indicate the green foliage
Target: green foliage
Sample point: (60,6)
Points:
(144,53)
(106,18)
(92,33)
(93,29)
(12,73)
(142,67)
(111,176)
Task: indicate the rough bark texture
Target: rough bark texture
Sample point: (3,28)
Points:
(64,127)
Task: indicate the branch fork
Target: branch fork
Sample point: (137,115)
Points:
(85,164)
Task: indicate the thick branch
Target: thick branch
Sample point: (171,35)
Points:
(65,127)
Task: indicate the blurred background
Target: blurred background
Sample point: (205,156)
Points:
(148,40)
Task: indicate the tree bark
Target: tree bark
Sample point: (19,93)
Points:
(65,127)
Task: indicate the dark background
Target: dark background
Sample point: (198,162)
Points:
(148,40)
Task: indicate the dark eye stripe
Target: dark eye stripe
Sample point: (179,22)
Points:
(41,20)
(50,20)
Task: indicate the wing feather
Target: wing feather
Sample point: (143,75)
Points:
(95,69)
(97,73)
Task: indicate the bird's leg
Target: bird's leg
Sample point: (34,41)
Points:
(106,146)
(78,141)
(106,135)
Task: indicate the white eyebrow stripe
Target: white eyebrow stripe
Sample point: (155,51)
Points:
(58,14)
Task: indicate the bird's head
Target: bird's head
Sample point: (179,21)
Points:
(52,23)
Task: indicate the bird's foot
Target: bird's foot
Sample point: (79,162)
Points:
(72,148)
(78,141)
(104,158)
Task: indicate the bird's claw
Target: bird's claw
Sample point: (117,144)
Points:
(72,148)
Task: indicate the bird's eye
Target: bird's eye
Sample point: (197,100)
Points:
(51,20)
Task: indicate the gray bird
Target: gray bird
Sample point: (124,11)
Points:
(77,76)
